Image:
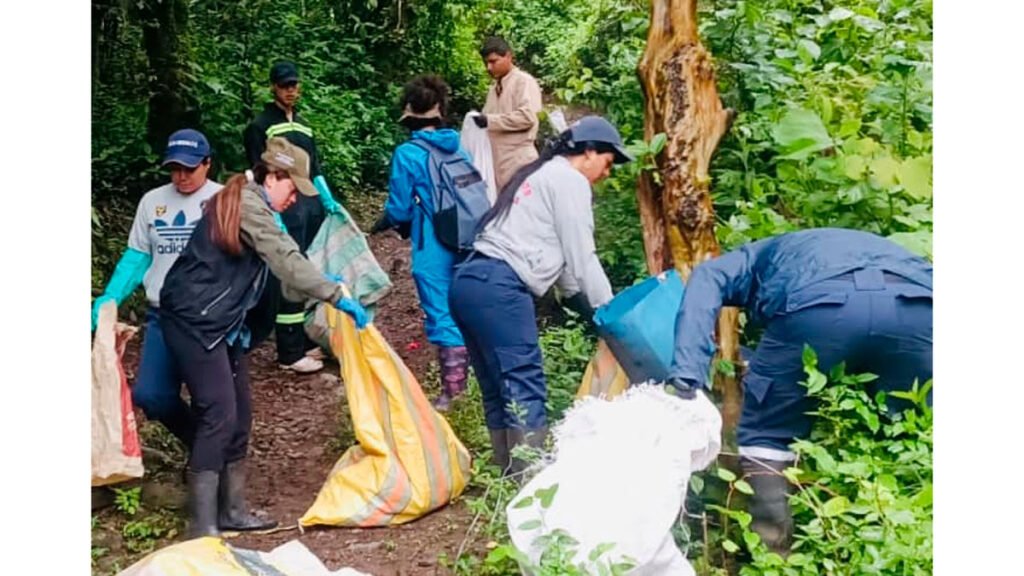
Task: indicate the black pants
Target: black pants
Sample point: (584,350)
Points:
(218,382)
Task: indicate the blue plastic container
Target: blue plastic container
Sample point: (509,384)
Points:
(639,326)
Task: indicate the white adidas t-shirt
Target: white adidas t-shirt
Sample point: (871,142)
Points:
(163,224)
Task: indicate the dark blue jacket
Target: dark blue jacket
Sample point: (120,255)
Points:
(760,276)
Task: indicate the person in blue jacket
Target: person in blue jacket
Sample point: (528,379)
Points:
(408,208)
(852,296)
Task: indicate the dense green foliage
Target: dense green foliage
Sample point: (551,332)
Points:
(833,127)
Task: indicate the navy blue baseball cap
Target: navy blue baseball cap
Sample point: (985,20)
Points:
(284,72)
(597,129)
(187,147)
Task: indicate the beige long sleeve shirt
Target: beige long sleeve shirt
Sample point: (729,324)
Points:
(513,103)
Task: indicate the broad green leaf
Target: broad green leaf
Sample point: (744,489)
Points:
(839,14)
(809,51)
(800,133)
(919,242)
(915,175)
(849,127)
(658,142)
(863,146)
(730,546)
(854,166)
(835,506)
(696,484)
(743,487)
(725,474)
(546,495)
(810,357)
(924,497)
(883,171)
(530,525)
(525,502)
(816,382)
(752,539)
(599,550)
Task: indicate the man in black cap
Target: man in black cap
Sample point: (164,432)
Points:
(303,219)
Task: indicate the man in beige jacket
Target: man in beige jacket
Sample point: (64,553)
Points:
(510,113)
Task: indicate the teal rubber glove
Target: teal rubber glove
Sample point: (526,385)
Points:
(96,304)
(336,278)
(128,274)
(330,204)
(355,310)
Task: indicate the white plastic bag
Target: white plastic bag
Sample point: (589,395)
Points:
(622,468)
(475,141)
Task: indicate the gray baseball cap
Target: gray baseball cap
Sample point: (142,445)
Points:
(597,129)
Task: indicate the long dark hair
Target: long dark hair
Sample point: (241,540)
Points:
(561,145)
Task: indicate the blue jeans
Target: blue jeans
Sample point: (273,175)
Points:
(494,312)
(157,388)
(878,324)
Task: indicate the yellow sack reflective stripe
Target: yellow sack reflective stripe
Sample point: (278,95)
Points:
(604,376)
(408,460)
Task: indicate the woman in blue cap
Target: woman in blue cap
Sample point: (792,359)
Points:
(163,224)
(539,232)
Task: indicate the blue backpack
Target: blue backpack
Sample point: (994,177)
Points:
(460,197)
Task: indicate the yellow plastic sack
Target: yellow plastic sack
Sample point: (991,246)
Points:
(214,557)
(603,377)
(116,451)
(408,461)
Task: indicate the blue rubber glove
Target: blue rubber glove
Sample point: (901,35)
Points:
(355,310)
(128,274)
(330,204)
(336,278)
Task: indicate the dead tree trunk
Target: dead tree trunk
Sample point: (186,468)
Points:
(678,78)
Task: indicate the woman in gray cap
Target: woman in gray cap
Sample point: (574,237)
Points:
(539,232)
(217,279)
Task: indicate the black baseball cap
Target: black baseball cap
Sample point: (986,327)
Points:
(284,72)
(597,129)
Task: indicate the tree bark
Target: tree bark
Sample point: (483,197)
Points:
(164,38)
(678,78)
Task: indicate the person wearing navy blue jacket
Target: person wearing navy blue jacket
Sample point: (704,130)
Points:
(409,207)
(852,296)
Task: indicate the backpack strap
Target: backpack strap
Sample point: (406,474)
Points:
(433,164)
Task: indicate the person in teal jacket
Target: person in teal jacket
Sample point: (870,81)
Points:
(409,208)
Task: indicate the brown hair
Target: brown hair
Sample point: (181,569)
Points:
(224,210)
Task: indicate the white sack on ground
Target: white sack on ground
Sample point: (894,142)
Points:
(622,468)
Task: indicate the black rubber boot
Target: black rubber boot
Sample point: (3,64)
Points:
(769,505)
(234,512)
(202,503)
(532,437)
(499,447)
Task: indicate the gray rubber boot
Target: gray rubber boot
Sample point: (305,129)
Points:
(234,512)
(532,437)
(202,503)
(769,505)
(499,447)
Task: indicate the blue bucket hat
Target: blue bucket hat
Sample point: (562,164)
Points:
(187,147)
